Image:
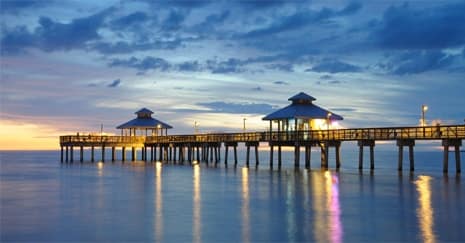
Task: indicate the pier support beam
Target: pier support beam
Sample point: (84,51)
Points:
(235,155)
(410,143)
(324,154)
(61,154)
(255,145)
(92,153)
(369,143)
(103,153)
(308,156)
(279,157)
(81,154)
(113,153)
(123,154)
(296,156)
(72,154)
(271,156)
(66,154)
(456,143)
(133,153)
(338,155)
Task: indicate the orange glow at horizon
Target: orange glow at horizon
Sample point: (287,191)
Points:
(27,136)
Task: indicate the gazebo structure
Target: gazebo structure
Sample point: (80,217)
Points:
(144,125)
(302,115)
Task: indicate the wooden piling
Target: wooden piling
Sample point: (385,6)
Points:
(123,153)
(66,153)
(92,154)
(81,154)
(372,157)
(72,154)
(360,157)
(235,155)
(457,158)
(411,158)
(296,156)
(308,156)
(271,156)
(103,153)
(113,153)
(61,158)
(226,148)
(247,156)
(256,155)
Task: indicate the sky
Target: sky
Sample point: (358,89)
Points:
(70,66)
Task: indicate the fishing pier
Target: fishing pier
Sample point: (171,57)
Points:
(297,125)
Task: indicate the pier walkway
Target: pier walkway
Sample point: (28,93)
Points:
(205,146)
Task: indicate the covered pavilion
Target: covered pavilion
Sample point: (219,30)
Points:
(144,125)
(302,115)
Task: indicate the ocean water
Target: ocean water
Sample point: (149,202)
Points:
(42,199)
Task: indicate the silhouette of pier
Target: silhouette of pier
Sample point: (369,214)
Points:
(207,147)
(300,124)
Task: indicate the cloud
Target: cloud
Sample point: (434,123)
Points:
(15,6)
(115,83)
(258,88)
(123,47)
(51,35)
(190,66)
(299,19)
(235,108)
(231,65)
(130,21)
(334,66)
(406,28)
(173,21)
(288,67)
(414,62)
(148,63)
(280,83)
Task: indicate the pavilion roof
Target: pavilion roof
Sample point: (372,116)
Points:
(302,110)
(144,120)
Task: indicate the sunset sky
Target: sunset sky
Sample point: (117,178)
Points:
(70,66)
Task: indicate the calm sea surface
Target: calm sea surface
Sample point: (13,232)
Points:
(44,200)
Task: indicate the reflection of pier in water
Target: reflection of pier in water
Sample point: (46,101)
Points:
(207,147)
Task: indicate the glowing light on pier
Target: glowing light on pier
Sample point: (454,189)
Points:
(425,212)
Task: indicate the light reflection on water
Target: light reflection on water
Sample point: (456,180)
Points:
(45,201)
(245,210)
(197,205)
(425,211)
(158,203)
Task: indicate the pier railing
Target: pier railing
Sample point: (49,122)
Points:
(77,140)
(386,133)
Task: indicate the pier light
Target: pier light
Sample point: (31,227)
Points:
(196,127)
(243,127)
(424,108)
(328,117)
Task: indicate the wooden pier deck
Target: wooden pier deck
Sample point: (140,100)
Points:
(201,147)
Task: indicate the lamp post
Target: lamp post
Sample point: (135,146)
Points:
(243,126)
(424,108)
(328,117)
(195,127)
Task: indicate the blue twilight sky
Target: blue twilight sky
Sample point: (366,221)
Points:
(69,66)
